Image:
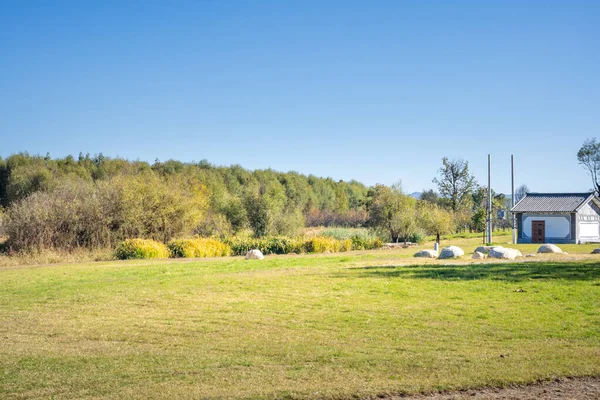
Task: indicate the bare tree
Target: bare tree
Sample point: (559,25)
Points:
(521,192)
(589,156)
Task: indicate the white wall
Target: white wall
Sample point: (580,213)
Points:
(589,230)
(588,226)
(589,209)
(557,226)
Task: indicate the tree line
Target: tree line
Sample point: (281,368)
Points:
(97,201)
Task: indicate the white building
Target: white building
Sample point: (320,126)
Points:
(558,218)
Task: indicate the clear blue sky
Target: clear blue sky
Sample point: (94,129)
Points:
(373,90)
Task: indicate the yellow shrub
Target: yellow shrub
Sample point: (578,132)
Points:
(322,244)
(201,247)
(140,248)
(345,245)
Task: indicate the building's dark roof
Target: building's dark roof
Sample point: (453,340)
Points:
(552,202)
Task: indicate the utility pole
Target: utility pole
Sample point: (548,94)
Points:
(512,198)
(489,205)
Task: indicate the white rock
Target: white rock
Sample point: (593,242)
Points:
(389,246)
(484,249)
(451,252)
(549,248)
(504,253)
(254,255)
(479,255)
(427,254)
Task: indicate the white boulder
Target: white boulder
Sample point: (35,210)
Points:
(484,249)
(549,248)
(451,252)
(504,253)
(427,254)
(478,255)
(254,255)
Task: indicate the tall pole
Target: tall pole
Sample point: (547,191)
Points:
(512,197)
(489,213)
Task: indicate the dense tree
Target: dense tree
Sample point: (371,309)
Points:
(435,219)
(4,179)
(480,207)
(290,197)
(455,183)
(589,156)
(430,196)
(259,214)
(392,213)
(92,201)
(79,213)
(478,220)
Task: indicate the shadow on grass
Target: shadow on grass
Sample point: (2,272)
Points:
(514,272)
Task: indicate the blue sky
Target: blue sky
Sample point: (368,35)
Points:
(374,91)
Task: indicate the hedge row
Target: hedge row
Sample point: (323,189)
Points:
(287,245)
(203,247)
(194,248)
(141,248)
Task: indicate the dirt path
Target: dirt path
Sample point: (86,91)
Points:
(564,388)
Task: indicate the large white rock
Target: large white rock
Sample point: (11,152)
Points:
(504,253)
(254,255)
(479,255)
(549,248)
(451,252)
(427,254)
(484,249)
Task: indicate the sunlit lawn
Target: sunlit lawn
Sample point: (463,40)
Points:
(355,324)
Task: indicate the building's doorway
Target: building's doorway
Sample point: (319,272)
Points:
(538,229)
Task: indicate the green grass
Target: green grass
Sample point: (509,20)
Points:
(313,326)
(347,233)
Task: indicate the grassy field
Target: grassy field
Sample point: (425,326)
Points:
(311,326)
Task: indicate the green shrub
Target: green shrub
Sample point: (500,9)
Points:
(286,245)
(365,243)
(201,247)
(267,245)
(140,248)
(347,233)
(417,237)
(362,239)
